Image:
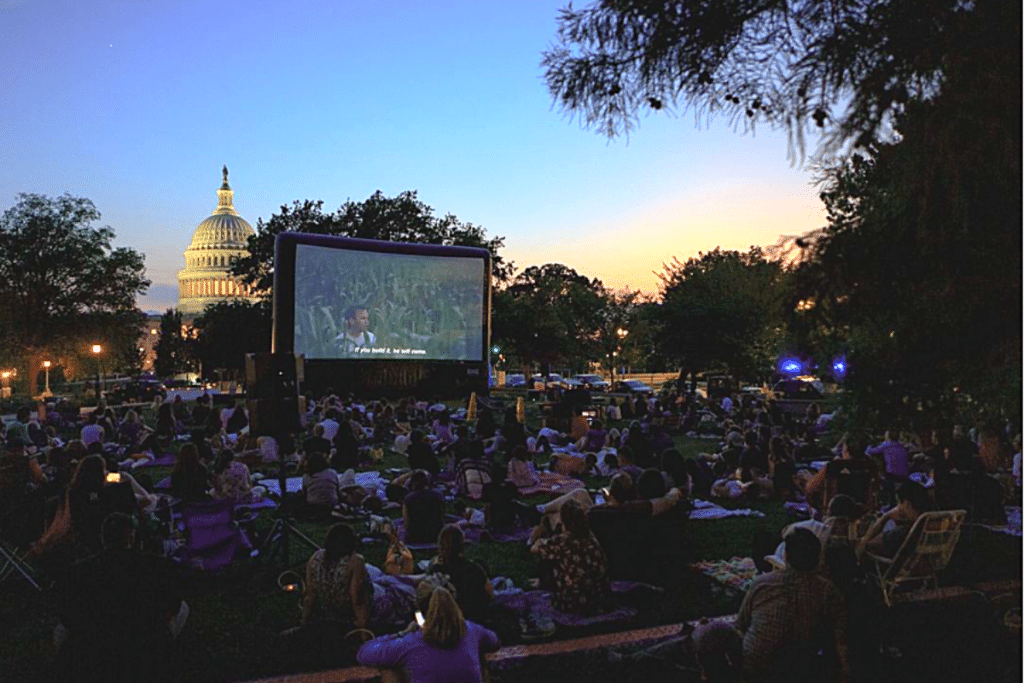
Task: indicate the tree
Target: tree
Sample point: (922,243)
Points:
(396,219)
(64,287)
(918,272)
(623,330)
(225,332)
(786,63)
(550,314)
(721,309)
(171,350)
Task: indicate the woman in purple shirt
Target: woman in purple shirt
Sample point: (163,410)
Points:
(446,649)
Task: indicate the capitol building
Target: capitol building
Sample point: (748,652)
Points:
(216,242)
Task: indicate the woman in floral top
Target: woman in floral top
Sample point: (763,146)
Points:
(338,586)
(231,480)
(578,564)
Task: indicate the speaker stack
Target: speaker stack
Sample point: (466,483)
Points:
(272,392)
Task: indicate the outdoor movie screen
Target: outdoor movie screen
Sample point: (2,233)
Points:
(358,304)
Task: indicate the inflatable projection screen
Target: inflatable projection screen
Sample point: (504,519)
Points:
(385,318)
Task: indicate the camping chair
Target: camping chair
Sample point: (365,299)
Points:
(22,521)
(212,539)
(856,478)
(925,552)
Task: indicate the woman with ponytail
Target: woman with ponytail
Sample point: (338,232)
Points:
(446,649)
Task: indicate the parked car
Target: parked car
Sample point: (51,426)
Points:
(633,386)
(554,380)
(593,382)
(515,380)
(572,383)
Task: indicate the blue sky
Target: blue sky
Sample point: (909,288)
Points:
(136,105)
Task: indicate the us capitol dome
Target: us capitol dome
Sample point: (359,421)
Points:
(217,241)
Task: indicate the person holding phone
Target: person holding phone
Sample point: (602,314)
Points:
(95,493)
(440,646)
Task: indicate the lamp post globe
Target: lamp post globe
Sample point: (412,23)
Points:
(97,350)
(46,391)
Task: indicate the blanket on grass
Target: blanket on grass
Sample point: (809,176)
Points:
(166,460)
(553,483)
(537,604)
(703,509)
(737,573)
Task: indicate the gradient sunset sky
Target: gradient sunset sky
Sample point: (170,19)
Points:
(136,105)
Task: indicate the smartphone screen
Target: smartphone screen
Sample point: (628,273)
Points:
(419,618)
(113,477)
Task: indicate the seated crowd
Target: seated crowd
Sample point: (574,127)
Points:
(90,495)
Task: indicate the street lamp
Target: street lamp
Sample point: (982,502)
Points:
(5,385)
(622,333)
(46,392)
(97,349)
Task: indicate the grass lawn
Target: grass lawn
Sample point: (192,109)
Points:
(232,630)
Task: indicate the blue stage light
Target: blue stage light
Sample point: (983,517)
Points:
(839,367)
(790,366)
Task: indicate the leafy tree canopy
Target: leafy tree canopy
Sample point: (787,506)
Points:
(396,219)
(918,272)
(172,354)
(722,309)
(225,332)
(65,287)
(550,314)
(788,64)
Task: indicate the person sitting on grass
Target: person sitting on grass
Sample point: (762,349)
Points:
(421,455)
(473,590)
(520,469)
(190,480)
(627,463)
(577,563)
(788,617)
(119,611)
(231,479)
(446,649)
(320,483)
(338,591)
(422,510)
(501,498)
(473,472)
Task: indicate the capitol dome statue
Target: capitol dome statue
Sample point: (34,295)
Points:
(217,241)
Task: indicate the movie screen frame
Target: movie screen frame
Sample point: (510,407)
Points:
(286,308)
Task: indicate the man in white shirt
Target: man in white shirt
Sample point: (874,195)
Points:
(92,432)
(330,424)
(357,333)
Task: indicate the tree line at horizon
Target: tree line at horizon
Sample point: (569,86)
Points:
(916,276)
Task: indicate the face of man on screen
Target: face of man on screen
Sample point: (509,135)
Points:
(359,322)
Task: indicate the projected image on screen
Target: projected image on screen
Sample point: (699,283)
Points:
(362,304)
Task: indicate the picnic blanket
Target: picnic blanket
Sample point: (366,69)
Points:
(538,604)
(166,460)
(703,509)
(552,482)
(737,573)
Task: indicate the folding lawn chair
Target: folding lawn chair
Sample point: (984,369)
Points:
(923,555)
